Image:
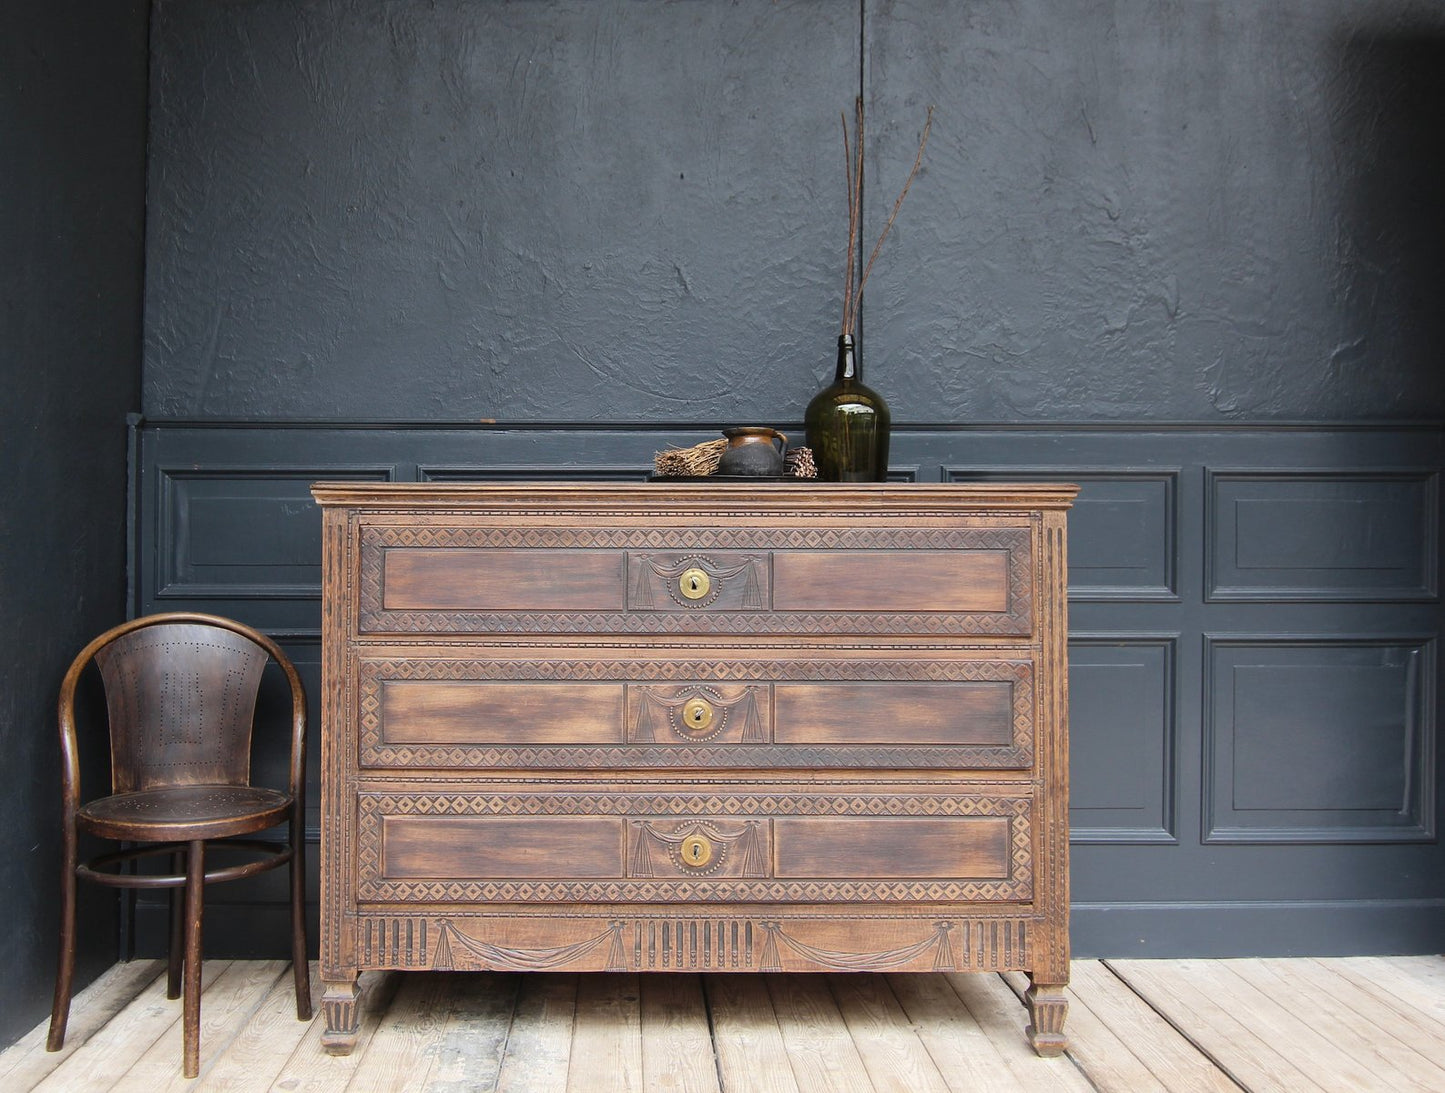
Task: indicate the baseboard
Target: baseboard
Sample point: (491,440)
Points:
(1249,928)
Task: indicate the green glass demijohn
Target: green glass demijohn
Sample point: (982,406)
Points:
(847,424)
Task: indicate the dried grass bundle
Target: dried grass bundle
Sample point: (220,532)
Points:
(700,459)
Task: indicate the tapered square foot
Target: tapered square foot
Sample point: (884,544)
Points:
(342,1015)
(1048,1006)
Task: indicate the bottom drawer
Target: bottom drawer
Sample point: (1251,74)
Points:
(772,844)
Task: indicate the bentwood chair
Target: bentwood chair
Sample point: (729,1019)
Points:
(180,693)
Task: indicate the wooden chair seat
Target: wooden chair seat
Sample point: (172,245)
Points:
(185,813)
(180,696)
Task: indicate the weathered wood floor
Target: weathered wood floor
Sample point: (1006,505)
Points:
(1136,1026)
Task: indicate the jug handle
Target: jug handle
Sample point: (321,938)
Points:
(782,441)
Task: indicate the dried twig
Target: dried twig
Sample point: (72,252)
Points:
(852,228)
(853,293)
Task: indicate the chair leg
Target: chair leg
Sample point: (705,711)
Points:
(300,967)
(65,967)
(191,1006)
(176,952)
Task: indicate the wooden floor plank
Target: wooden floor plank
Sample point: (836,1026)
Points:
(1415,1015)
(26,1062)
(1366,1031)
(1105,1056)
(1184,992)
(1289,1020)
(820,1049)
(401,1052)
(539,1046)
(1417,982)
(226,1006)
(474,1033)
(259,1047)
(99,1063)
(751,1054)
(1425,970)
(607,1035)
(1097,995)
(677,1049)
(309,1069)
(894,1056)
(1003,1019)
(964,1054)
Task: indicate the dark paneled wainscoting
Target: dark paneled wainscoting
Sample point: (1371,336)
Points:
(1255,617)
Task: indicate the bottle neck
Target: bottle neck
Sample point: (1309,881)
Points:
(848,366)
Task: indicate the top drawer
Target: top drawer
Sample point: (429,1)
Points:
(926,581)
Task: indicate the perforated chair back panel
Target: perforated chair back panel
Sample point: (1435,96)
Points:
(181,700)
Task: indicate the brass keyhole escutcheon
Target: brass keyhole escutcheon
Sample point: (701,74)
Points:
(696,851)
(695,584)
(697,714)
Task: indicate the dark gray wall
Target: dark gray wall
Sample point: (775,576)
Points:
(72,205)
(459,210)
(621,211)
(1135,210)
(1132,215)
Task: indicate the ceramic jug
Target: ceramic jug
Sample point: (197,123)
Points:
(753,450)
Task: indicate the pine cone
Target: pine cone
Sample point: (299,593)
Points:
(798,463)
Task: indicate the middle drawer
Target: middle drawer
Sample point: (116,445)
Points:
(863,713)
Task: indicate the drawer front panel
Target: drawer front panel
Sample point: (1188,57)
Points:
(500,847)
(908,582)
(499,713)
(964,714)
(783,845)
(962,582)
(502,580)
(958,846)
(489,714)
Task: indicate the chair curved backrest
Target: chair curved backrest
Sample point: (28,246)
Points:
(180,692)
(181,698)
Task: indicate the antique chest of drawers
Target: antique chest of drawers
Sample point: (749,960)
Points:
(694,727)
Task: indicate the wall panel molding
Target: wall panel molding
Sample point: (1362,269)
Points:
(1123,527)
(537,472)
(1323,535)
(1319,739)
(1122,727)
(243,531)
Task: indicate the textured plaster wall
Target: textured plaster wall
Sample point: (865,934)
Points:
(633,210)
(463,210)
(72,204)
(1178,210)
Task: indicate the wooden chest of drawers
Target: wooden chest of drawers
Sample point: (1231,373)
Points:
(710,727)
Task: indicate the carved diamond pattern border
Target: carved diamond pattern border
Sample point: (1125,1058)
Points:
(691,891)
(662,804)
(709,538)
(660,757)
